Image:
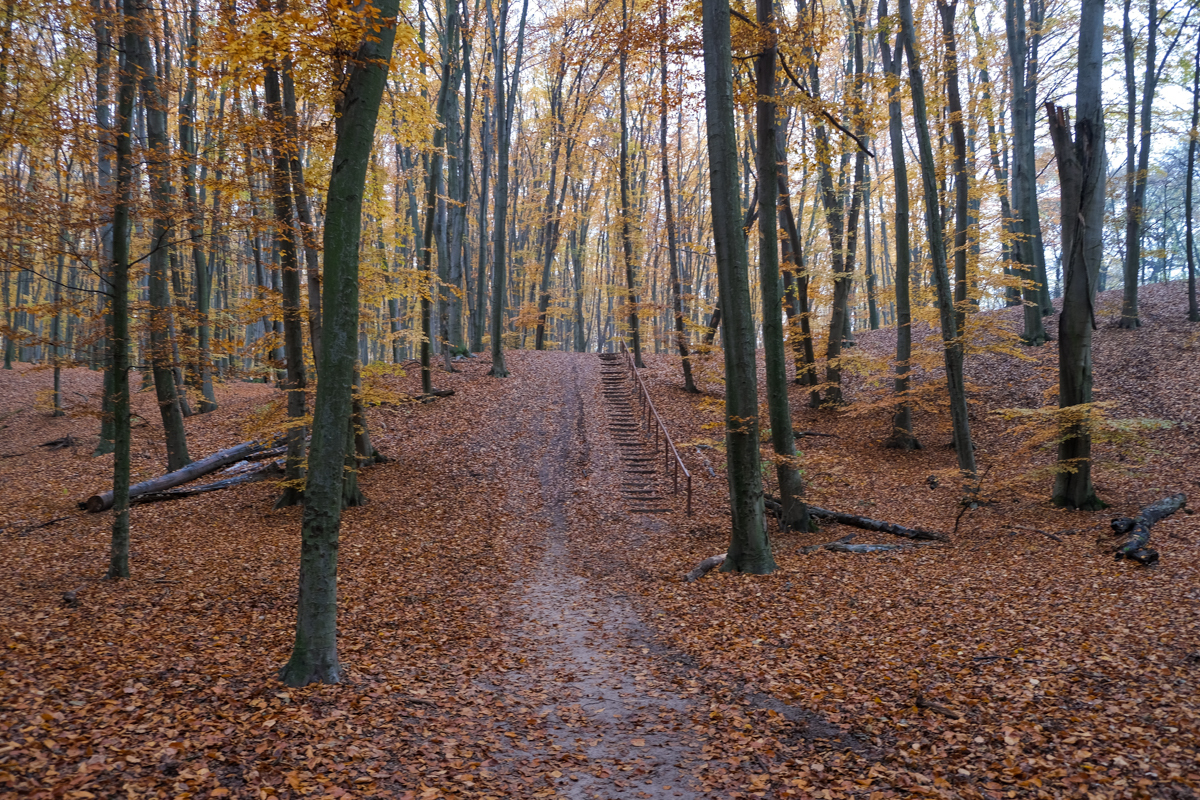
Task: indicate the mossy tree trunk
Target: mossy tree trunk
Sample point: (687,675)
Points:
(794,515)
(118,338)
(314,652)
(749,548)
(902,436)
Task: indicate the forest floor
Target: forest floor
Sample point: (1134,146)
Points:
(510,628)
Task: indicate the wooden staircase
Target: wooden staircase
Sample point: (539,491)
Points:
(638,486)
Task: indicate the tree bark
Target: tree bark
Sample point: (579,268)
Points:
(1137,143)
(952,345)
(118,339)
(158,169)
(202,370)
(631,298)
(505,104)
(749,548)
(314,652)
(433,182)
(1193,309)
(222,458)
(1024,174)
(294,383)
(901,437)
(689,383)
(1082,168)
(961,178)
(1136,530)
(794,515)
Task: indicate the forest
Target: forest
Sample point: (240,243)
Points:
(589,399)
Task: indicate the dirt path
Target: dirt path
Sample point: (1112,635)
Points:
(615,723)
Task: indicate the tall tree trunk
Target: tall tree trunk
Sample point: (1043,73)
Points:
(201,373)
(749,547)
(841,224)
(1193,309)
(1081,172)
(505,104)
(485,156)
(631,298)
(1024,171)
(1135,182)
(952,345)
(105,154)
(999,168)
(901,437)
(794,515)
(689,383)
(433,182)
(158,167)
(962,211)
(795,286)
(303,208)
(118,338)
(294,383)
(314,652)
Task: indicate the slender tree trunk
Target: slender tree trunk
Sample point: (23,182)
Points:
(901,437)
(1135,182)
(1081,172)
(201,373)
(505,105)
(294,383)
(1193,309)
(795,513)
(433,182)
(105,154)
(303,208)
(1024,203)
(689,383)
(749,547)
(158,167)
(485,157)
(952,345)
(962,211)
(118,561)
(314,652)
(631,298)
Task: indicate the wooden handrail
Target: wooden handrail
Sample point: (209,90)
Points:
(652,418)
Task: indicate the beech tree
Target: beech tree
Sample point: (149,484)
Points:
(952,345)
(1082,169)
(314,653)
(749,548)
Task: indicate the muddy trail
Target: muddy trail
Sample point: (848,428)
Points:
(611,712)
(621,728)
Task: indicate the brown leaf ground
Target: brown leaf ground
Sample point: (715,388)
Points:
(510,630)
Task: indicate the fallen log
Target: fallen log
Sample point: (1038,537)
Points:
(261,473)
(1136,530)
(877,526)
(102,502)
(839,547)
(704,567)
(812,548)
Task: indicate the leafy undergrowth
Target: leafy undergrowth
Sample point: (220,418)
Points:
(1019,660)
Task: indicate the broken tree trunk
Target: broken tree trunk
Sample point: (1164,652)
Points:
(102,502)
(812,548)
(261,473)
(705,566)
(1137,529)
(867,524)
